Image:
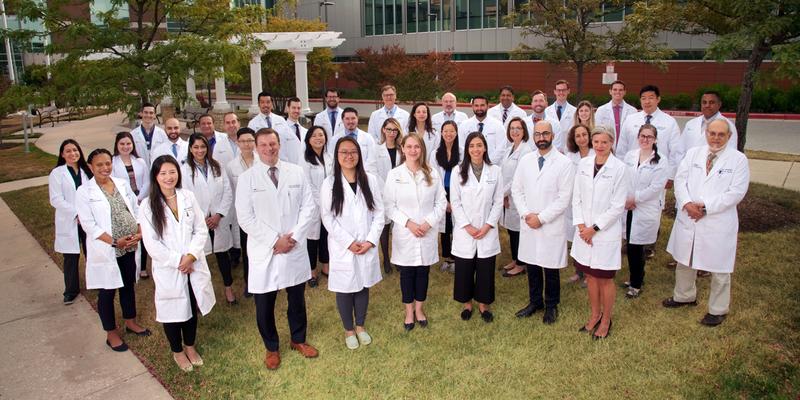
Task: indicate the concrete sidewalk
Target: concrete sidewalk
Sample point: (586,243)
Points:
(50,350)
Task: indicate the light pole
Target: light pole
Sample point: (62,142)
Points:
(324,77)
(325,4)
(9,53)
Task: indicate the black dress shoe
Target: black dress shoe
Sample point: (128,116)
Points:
(529,310)
(69,299)
(466,314)
(712,320)
(387,268)
(145,332)
(423,323)
(550,315)
(313,282)
(247,294)
(120,348)
(583,327)
(595,337)
(671,303)
(408,327)
(487,316)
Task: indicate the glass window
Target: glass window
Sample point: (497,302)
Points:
(398,16)
(388,7)
(435,18)
(475,14)
(521,9)
(379,17)
(369,27)
(612,13)
(446,15)
(422,16)
(102,6)
(461,14)
(502,11)
(489,14)
(411,16)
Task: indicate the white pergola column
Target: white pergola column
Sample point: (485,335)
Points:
(221,103)
(301,76)
(191,89)
(255,84)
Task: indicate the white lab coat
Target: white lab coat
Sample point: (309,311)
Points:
(215,197)
(476,203)
(646,187)
(496,112)
(431,139)
(669,137)
(605,116)
(94,211)
(315,175)
(599,201)
(510,219)
(408,197)
(384,165)
(235,168)
(369,149)
(575,158)
(323,119)
(166,149)
(159,137)
(378,116)
(291,148)
(62,198)
(224,151)
(265,213)
(693,134)
(495,134)
(141,172)
(546,192)
(349,273)
(435,165)
(187,235)
(439,118)
(567,116)
(559,136)
(709,244)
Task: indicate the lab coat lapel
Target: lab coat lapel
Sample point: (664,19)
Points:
(722,157)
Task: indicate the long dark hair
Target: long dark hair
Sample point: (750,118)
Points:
(82,165)
(465,162)
(656,157)
(572,145)
(412,121)
(361,178)
(156,198)
(310,156)
(441,151)
(120,136)
(209,161)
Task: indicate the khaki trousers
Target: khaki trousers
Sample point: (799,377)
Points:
(719,298)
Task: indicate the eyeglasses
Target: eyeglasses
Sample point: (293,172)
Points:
(394,130)
(542,134)
(353,153)
(647,137)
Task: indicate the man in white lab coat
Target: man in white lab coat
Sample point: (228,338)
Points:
(267,119)
(448,113)
(174,146)
(694,133)
(275,208)
(561,109)
(709,184)
(542,191)
(538,107)
(331,117)
(390,109)
(148,135)
(369,148)
(612,114)
(506,109)
(491,128)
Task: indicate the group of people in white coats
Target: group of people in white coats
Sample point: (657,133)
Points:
(350,192)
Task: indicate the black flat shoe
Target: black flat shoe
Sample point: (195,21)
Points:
(583,327)
(423,323)
(120,348)
(145,332)
(247,294)
(595,337)
(466,314)
(313,282)
(487,316)
(408,327)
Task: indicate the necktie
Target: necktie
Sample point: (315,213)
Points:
(175,150)
(480,127)
(211,143)
(541,162)
(269,122)
(558,112)
(647,119)
(536,119)
(353,135)
(505,115)
(333,120)
(273,175)
(617,117)
(710,161)
(297,131)
(390,112)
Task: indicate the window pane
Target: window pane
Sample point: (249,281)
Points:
(379,17)
(612,13)
(435,19)
(461,13)
(447,15)
(475,14)
(490,13)
(521,9)
(389,17)
(422,16)
(503,11)
(411,15)
(368,13)
(398,16)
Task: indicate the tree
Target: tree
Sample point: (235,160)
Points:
(416,77)
(744,28)
(574,32)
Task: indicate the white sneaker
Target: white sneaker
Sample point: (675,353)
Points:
(351,342)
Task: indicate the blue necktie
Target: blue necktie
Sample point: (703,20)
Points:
(390,112)
(269,122)
(558,112)
(647,119)
(541,162)
(480,127)
(175,150)
(353,135)
(211,144)
(333,120)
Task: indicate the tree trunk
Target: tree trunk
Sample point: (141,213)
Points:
(579,84)
(748,82)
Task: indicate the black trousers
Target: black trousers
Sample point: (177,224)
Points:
(447,236)
(318,248)
(245,261)
(350,304)
(414,283)
(223,262)
(180,333)
(636,256)
(543,280)
(513,241)
(295,313)
(387,229)
(143,259)
(127,295)
(474,279)
(72,280)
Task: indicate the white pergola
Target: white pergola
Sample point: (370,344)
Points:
(297,43)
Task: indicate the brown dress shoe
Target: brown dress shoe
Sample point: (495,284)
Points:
(273,360)
(307,350)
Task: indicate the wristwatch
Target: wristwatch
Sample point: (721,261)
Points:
(596,228)
(114,243)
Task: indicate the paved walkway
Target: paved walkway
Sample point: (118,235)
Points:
(50,350)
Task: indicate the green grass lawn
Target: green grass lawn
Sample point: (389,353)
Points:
(653,352)
(15,164)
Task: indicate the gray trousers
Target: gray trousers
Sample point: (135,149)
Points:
(350,304)
(719,299)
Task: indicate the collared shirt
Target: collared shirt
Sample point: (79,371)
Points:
(148,136)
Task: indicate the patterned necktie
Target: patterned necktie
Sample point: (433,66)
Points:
(480,127)
(175,150)
(536,119)
(541,162)
(269,122)
(558,112)
(297,131)
(647,119)
(505,115)
(273,175)
(710,161)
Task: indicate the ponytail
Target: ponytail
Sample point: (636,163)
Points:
(656,156)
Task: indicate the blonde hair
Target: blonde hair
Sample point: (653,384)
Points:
(577,121)
(399,129)
(423,158)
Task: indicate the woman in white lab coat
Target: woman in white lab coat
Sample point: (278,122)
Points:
(246,140)
(477,203)
(352,210)
(204,177)
(175,232)
(107,209)
(444,158)
(648,173)
(420,123)
(388,157)
(579,146)
(317,166)
(517,134)
(598,202)
(129,167)
(415,202)
(70,173)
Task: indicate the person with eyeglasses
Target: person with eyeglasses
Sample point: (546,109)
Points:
(517,134)
(542,190)
(246,142)
(647,171)
(388,157)
(330,118)
(368,145)
(390,109)
(561,110)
